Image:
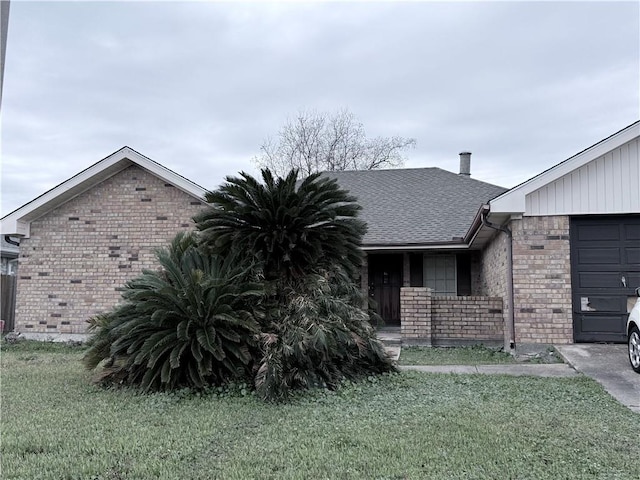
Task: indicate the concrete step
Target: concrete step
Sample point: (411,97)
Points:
(393,351)
(391,338)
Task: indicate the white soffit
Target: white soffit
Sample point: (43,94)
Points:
(514,200)
(18,222)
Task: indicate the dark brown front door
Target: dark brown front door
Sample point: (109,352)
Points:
(385,280)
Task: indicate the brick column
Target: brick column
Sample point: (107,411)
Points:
(542,280)
(415,313)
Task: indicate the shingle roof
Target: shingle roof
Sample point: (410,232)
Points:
(417,205)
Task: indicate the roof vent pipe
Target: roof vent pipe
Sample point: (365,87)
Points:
(465,163)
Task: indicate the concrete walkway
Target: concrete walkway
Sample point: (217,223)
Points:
(608,364)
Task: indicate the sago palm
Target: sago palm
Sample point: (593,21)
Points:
(291,228)
(189,324)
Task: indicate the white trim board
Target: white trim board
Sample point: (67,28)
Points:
(514,200)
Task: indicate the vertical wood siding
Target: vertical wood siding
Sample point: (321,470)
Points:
(609,184)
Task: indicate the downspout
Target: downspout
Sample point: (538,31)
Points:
(11,241)
(511,321)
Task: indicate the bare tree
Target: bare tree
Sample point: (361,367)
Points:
(318,141)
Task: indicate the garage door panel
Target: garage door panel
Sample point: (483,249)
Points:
(633,281)
(601,303)
(599,280)
(599,232)
(602,324)
(599,255)
(632,255)
(632,232)
(605,269)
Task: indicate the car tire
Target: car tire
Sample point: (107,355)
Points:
(634,348)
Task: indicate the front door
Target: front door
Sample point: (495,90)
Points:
(605,270)
(385,280)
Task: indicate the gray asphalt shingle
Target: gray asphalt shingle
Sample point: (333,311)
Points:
(415,205)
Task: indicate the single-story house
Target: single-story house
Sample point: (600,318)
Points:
(449,259)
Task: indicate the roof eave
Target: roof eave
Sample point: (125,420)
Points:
(404,247)
(513,201)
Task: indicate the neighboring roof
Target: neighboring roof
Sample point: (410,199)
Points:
(514,200)
(18,222)
(415,206)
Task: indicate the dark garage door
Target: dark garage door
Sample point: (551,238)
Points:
(605,270)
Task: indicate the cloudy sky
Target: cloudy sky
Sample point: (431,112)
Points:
(198,86)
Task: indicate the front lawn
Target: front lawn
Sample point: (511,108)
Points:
(55,425)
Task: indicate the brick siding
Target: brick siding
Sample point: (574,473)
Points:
(79,255)
(493,274)
(542,280)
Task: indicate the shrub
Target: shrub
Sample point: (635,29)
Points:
(189,324)
(318,338)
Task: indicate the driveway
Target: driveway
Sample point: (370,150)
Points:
(608,364)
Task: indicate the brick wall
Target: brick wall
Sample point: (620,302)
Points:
(542,280)
(493,274)
(475,319)
(428,320)
(79,255)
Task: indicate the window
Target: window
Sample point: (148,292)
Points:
(440,274)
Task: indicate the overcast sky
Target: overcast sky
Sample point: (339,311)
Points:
(198,86)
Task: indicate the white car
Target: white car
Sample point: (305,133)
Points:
(633,334)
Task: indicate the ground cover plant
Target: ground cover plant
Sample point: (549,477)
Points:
(57,425)
(471,355)
(263,293)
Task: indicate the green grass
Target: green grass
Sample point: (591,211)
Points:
(56,425)
(33,346)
